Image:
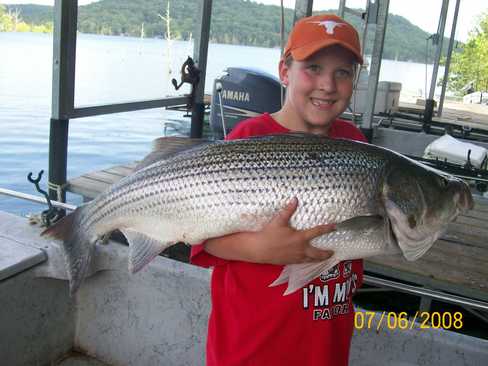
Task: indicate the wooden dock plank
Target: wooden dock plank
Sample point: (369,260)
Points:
(465,239)
(446,266)
(90,185)
(454,113)
(476,214)
(476,226)
(475,222)
(105,177)
(122,170)
(465,257)
(86,187)
(480,204)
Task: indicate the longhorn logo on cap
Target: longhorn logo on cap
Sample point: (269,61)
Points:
(329,25)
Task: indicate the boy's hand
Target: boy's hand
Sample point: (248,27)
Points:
(279,243)
(276,243)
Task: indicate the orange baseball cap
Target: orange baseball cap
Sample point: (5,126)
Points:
(314,33)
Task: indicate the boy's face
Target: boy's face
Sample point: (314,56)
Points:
(318,89)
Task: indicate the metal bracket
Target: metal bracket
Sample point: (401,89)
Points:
(190,74)
(52,214)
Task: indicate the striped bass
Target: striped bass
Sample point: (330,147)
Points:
(382,202)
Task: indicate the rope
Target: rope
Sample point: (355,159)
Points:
(58,188)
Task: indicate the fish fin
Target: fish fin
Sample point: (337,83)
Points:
(165,147)
(412,249)
(412,253)
(78,246)
(142,249)
(61,229)
(360,227)
(298,275)
(360,223)
(283,277)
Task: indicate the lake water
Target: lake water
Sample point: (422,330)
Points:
(110,69)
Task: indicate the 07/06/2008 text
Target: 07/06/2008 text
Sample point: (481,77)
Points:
(420,320)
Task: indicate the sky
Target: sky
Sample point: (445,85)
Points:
(423,13)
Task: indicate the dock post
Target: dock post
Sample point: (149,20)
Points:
(429,102)
(303,8)
(63,93)
(342,8)
(58,158)
(448,59)
(374,71)
(428,113)
(200,51)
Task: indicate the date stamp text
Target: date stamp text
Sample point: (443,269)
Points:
(420,320)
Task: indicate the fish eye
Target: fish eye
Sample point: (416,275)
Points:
(443,182)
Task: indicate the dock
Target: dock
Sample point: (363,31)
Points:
(457,263)
(472,116)
(91,184)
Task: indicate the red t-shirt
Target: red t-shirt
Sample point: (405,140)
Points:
(253,324)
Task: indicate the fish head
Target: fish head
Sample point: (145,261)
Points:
(420,202)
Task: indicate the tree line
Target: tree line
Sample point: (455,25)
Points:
(469,68)
(11,21)
(245,22)
(240,22)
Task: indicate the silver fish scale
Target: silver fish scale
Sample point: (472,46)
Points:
(240,185)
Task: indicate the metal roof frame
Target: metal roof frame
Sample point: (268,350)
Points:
(63,88)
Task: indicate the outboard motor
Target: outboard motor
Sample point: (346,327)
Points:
(244,93)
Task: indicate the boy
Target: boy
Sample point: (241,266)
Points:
(250,322)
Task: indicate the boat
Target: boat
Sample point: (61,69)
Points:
(159,316)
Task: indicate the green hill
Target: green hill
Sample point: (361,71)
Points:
(233,21)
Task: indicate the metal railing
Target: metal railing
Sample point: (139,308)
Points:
(420,291)
(36,199)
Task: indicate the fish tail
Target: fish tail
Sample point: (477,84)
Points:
(78,246)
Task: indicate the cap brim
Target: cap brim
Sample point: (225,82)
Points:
(302,53)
